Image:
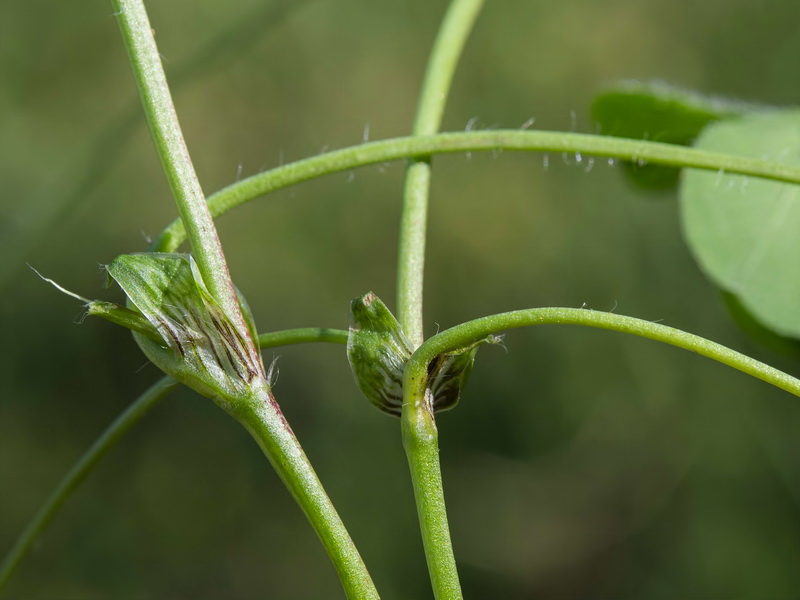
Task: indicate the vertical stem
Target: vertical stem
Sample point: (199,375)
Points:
(420,436)
(421,443)
(411,260)
(162,119)
(260,413)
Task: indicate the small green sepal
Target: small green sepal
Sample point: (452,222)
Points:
(121,315)
(110,311)
(448,373)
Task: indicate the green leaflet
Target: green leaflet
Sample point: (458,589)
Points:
(378,352)
(744,232)
(199,345)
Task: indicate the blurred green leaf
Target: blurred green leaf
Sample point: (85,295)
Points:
(745,233)
(752,327)
(662,113)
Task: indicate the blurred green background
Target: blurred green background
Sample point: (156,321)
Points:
(579,464)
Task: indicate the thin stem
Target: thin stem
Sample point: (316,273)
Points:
(288,337)
(259,412)
(266,424)
(171,147)
(109,438)
(472,331)
(56,203)
(419,429)
(420,437)
(372,153)
(421,444)
(447,49)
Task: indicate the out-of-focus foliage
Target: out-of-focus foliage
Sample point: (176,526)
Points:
(579,464)
(661,113)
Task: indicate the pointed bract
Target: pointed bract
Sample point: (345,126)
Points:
(199,345)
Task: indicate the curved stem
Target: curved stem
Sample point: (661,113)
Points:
(171,147)
(472,331)
(419,428)
(109,438)
(475,141)
(447,49)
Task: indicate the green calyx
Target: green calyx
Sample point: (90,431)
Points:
(378,352)
(198,344)
(181,328)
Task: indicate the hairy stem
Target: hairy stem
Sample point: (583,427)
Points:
(171,147)
(421,444)
(420,438)
(259,412)
(419,429)
(109,438)
(472,331)
(447,49)
(476,141)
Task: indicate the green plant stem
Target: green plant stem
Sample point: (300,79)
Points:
(259,413)
(421,444)
(109,438)
(419,428)
(266,424)
(304,335)
(372,153)
(447,49)
(56,203)
(472,331)
(165,129)
(420,437)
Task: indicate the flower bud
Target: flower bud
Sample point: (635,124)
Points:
(378,352)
